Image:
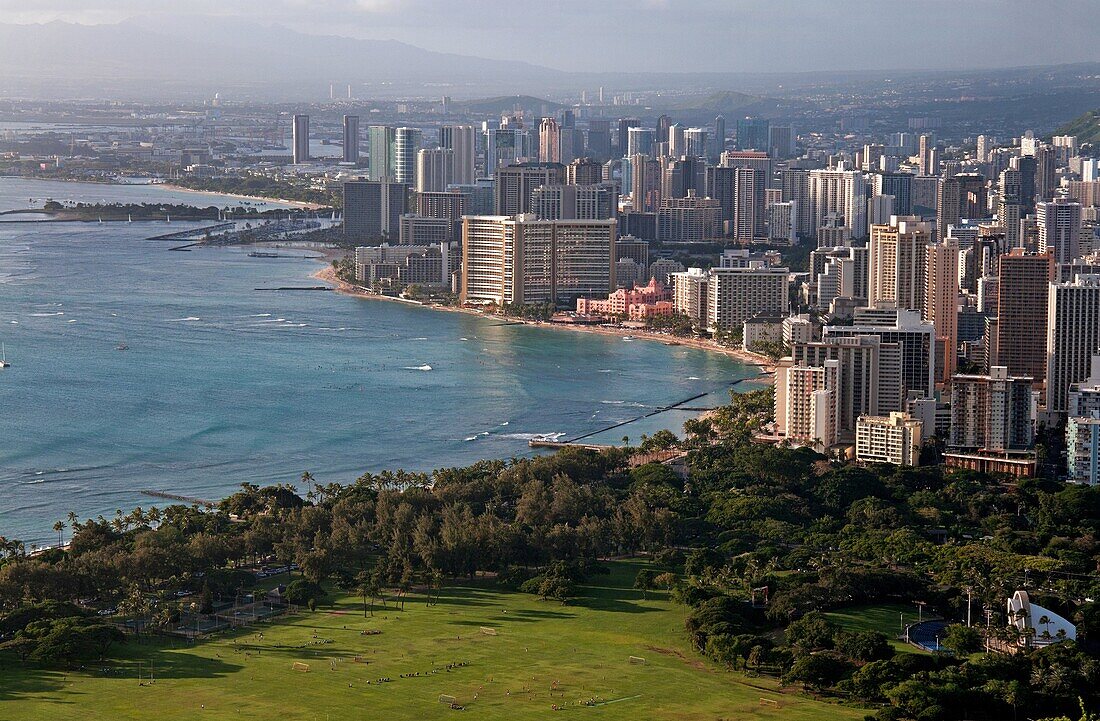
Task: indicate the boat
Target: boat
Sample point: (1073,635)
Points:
(4,357)
(122,346)
(628,337)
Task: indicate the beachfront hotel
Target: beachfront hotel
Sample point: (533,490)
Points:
(523,259)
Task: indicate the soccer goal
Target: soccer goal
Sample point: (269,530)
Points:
(449,700)
(488,631)
(636,659)
(299,666)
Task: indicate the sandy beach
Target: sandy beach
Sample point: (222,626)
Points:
(328,275)
(292,203)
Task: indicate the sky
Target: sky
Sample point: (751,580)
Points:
(663,35)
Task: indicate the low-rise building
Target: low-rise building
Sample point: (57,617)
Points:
(892,439)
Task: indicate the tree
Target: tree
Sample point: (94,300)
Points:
(962,640)
(818,670)
(59,526)
(864,646)
(811,632)
(644,581)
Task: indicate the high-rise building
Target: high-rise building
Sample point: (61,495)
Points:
(515,183)
(583,171)
(664,125)
(406,144)
(961,196)
(941,300)
(689,294)
(522,260)
(549,141)
(991,413)
(645,183)
(625,124)
(896,262)
(916,338)
(575,202)
(752,134)
(640,141)
(795,184)
(372,209)
(781,142)
(718,144)
(435,169)
(597,141)
(806,403)
(450,205)
(695,143)
(1020,344)
(300,139)
(897,185)
(380,161)
(351,139)
(689,219)
(736,294)
(462,140)
(1073,336)
(1059,223)
(842,195)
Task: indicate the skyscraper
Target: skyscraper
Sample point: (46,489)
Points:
(461,139)
(941,299)
(372,209)
(598,140)
(515,183)
(960,197)
(434,169)
(625,124)
(1059,223)
(300,139)
(719,142)
(351,139)
(549,141)
(841,194)
(752,133)
(406,143)
(380,161)
(695,143)
(640,141)
(1022,296)
(896,262)
(781,141)
(1073,336)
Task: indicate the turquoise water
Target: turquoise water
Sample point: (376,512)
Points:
(224,384)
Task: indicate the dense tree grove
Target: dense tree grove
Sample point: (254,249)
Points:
(746,523)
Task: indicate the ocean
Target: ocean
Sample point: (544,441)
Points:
(223,384)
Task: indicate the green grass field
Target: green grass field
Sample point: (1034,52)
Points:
(543,654)
(886,619)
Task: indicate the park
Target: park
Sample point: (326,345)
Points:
(499,654)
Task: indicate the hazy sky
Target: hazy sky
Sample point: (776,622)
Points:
(674,35)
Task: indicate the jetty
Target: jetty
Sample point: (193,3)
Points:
(183,499)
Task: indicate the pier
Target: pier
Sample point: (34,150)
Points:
(185,234)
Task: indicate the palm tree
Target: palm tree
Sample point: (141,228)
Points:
(59,526)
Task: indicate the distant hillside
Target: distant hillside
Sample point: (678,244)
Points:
(508,103)
(731,104)
(1085,127)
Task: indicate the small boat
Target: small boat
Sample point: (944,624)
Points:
(122,346)
(129,218)
(4,357)
(672,342)
(628,337)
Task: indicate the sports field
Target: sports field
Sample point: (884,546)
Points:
(500,655)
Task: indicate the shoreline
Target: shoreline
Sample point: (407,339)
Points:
(328,275)
(292,203)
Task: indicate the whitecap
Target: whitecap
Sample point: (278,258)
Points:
(424,367)
(418,339)
(613,403)
(548,437)
(605,370)
(693,378)
(504,423)
(73,320)
(46,315)
(464,339)
(184,320)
